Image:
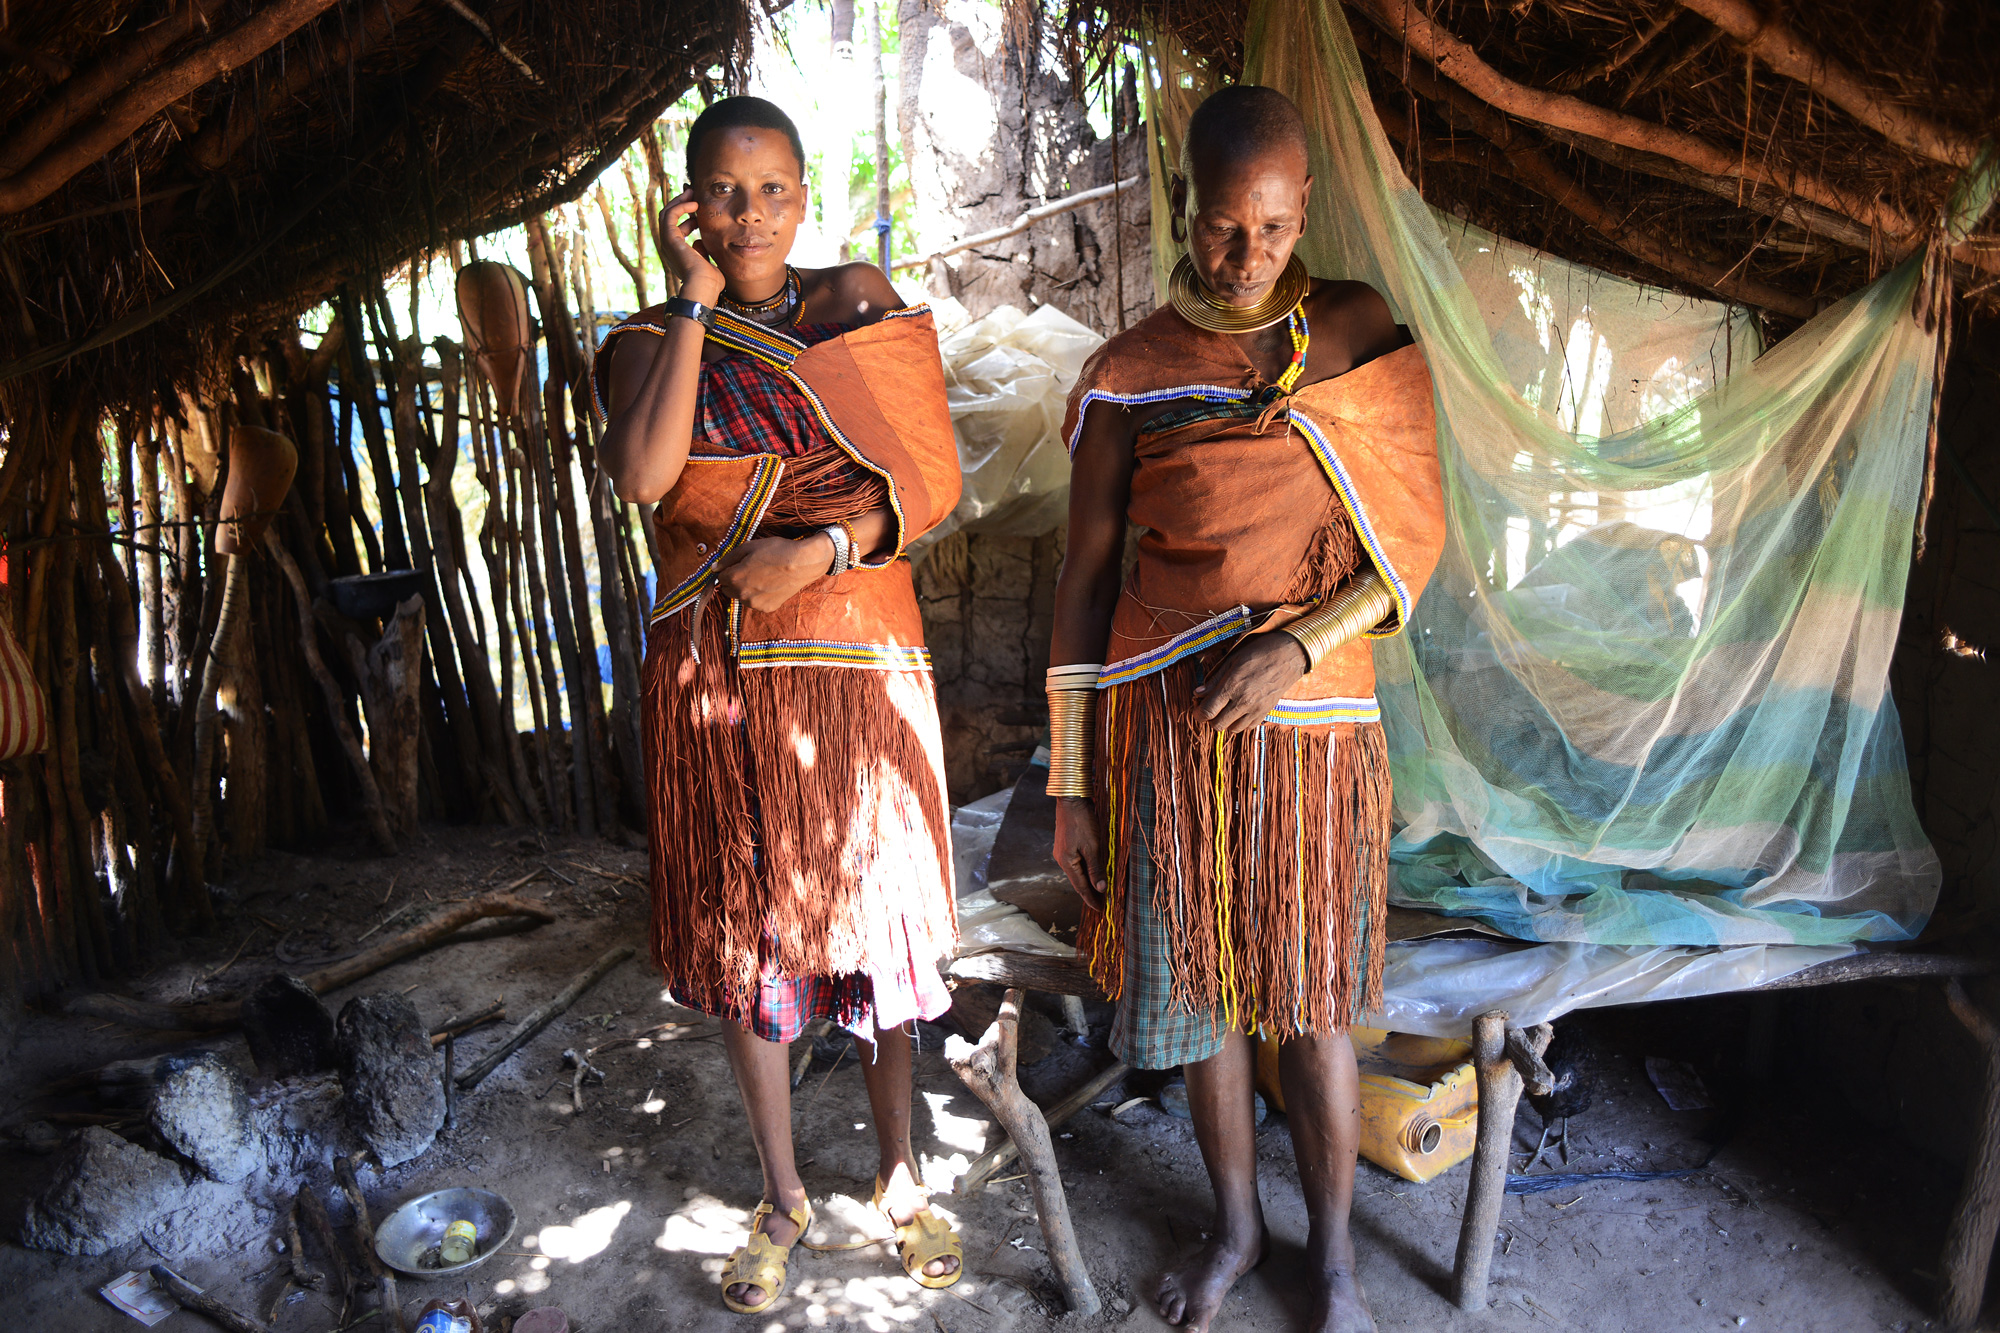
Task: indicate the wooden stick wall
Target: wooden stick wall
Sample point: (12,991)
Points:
(207,706)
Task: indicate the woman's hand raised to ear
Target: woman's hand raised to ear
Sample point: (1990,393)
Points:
(699,280)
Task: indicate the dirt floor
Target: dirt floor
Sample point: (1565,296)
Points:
(1801,1222)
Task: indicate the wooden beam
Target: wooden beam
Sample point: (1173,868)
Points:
(1774,42)
(127,112)
(1054,208)
(225,131)
(1029,971)
(1530,167)
(1882,967)
(84,92)
(1405,21)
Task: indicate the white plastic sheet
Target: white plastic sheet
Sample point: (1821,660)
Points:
(985,924)
(1007,378)
(1435,988)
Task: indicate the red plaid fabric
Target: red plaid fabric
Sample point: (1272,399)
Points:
(784,1005)
(747,407)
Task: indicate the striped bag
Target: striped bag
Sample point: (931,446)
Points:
(24,710)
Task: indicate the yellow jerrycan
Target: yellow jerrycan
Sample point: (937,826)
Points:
(1419,1099)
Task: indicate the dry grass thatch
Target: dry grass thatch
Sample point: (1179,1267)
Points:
(227,161)
(1778,156)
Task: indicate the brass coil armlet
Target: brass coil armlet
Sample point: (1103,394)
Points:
(1072,694)
(1350,613)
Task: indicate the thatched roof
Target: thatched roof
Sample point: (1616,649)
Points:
(228,161)
(1779,155)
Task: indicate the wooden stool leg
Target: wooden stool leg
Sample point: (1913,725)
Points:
(988,1069)
(1968,1245)
(1499,1093)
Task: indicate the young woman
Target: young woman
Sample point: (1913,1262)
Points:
(1271,435)
(792,425)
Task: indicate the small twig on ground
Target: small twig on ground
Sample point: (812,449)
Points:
(525,1030)
(232,959)
(814,1031)
(201,1303)
(460,1024)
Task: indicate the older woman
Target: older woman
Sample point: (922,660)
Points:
(792,423)
(1271,435)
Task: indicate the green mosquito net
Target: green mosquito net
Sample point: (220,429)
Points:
(1644,700)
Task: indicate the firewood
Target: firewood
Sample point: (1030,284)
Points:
(202,1303)
(440,929)
(988,1069)
(525,1030)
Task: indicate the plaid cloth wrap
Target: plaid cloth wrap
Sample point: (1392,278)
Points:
(784,1005)
(1149,1030)
(751,408)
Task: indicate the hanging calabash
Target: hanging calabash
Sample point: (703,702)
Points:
(261,465)
(499,330)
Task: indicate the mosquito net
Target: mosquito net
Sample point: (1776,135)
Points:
(1644,700)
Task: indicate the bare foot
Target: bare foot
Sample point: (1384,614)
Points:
(782,1230)
(902,1197)
(1191,1294)
(1338,1305)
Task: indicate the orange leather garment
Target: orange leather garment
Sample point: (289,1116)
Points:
(1229,513)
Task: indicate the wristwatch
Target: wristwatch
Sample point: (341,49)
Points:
(703,315)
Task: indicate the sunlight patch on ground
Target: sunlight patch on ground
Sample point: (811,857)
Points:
(704,1225)
(964,1132)
(588,1236)
(877,1303)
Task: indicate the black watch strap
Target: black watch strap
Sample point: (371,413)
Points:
(703,315)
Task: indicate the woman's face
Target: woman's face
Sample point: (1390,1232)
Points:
(750,202)
(1244,216)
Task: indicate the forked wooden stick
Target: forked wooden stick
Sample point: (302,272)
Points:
(988,1069)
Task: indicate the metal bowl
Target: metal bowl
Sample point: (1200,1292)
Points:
(369,596)
(413,1229)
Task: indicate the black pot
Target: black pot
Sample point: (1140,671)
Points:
(373,596)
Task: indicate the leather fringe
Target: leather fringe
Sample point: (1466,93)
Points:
(1270,859)
(799,818)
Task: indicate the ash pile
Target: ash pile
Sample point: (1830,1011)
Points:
(210,1145)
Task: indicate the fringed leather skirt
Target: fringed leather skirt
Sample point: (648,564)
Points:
(800,836)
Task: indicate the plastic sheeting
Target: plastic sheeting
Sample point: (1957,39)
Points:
(1437,987)
(1644,699)
(985,924)
(1007,378)
(1433,987)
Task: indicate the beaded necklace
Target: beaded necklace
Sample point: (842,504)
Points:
(1301,339)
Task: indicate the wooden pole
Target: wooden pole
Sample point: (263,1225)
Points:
(1968,1244)
(989,1163)
(1499,1093)
(988,1069)
(364,775)
(438,930)
(883,217)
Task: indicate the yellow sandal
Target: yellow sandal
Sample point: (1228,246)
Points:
(924,1238)
(761,1263)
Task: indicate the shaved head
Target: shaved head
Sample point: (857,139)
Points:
(1242,123)
(1242,190)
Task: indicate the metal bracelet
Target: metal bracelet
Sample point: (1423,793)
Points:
(1072,692)
(843,551)
(1348,614)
